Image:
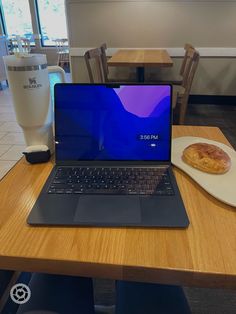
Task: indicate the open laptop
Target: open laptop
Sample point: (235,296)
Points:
(113,159)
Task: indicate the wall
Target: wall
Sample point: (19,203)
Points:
(51,54)
(153,24)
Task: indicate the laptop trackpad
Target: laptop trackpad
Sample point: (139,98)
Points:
(109,209)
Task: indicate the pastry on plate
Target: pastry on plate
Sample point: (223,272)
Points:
(207,157)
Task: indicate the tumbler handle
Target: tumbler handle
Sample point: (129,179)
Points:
(59,70)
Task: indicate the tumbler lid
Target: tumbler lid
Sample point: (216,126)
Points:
(25,60)
(36,148)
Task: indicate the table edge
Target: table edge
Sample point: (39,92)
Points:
(120,272)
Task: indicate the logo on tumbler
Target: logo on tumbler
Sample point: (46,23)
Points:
(32,81)
(32,84)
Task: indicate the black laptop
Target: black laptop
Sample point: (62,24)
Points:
(113,159)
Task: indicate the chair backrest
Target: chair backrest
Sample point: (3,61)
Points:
(187,48)
(13,45)
(62,51)
(190,70)
(103,48)
(15,42)
(61,44)
(93,59)
(25,42)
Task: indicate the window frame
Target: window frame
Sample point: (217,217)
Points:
(2,21)
(39,24)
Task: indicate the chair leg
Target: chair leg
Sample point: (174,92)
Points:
(182,110)
(58,60)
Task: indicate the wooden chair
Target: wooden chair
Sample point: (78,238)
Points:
(25,43)
(181,92)
(94,63)
(178,79)
(183,68)
(103,48)
(62,52)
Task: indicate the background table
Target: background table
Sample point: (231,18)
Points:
(202,255)
(140,58)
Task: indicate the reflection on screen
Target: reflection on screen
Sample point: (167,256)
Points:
(98,122)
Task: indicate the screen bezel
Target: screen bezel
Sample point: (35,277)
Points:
(114,162)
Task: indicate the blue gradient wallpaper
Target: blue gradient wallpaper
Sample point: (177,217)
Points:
(101,122)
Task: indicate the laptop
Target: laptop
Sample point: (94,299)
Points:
(112,159)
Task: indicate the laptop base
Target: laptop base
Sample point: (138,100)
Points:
(109,210)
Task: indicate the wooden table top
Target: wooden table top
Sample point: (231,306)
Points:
(202,255)
(141,58)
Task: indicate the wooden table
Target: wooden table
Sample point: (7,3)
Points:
(141,58)
(202,255)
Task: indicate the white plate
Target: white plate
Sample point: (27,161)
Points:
(221,186)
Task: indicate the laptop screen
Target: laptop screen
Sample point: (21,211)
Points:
(112,122)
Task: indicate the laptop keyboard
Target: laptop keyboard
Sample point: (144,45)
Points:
(133,181)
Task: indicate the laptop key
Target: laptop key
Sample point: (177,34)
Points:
(57,181)
(102,191)
(68,191)
(60,191)
(52,191)
(133,193)
(59,186)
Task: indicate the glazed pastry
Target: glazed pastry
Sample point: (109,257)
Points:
(207,157)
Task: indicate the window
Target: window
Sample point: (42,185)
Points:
(52,20)
(17,18)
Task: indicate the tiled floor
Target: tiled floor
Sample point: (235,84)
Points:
(12,142)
